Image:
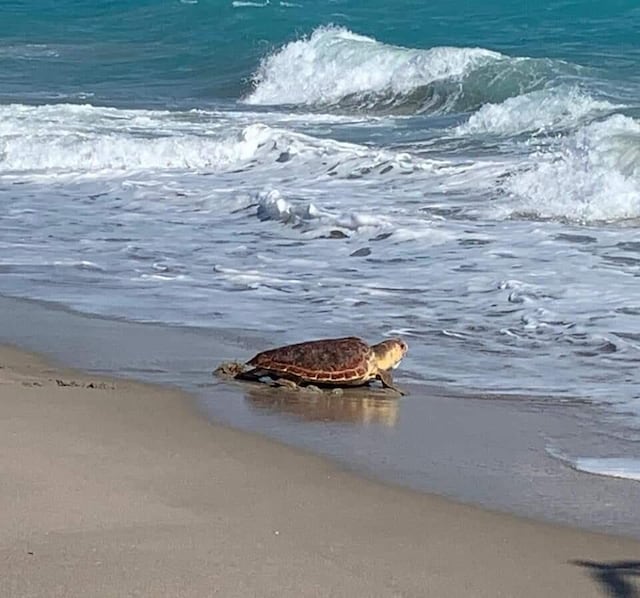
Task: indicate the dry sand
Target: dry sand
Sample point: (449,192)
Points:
(112,488)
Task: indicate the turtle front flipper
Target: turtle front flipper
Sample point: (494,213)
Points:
(387,381)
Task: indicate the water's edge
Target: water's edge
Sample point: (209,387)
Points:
(497,453)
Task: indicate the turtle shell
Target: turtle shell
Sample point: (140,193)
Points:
(327,361)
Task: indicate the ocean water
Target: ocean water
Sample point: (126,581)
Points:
(467,177)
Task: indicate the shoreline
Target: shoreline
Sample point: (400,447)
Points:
(485,452)
(113,487)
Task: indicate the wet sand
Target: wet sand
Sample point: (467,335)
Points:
(114,488)
(477,449)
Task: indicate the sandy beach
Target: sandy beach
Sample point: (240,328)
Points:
(114,488)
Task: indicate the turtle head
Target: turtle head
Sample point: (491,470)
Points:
(389,353)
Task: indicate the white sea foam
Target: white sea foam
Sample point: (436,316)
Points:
(315,221)
(272,206)
(334,63)
(28,51)
(628,468)
(248,3)
(251,278)
(590,176)
(539,111)
(71,139)
(68,138)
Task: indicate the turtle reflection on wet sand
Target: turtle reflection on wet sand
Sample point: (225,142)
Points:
(357,406)
(328,362)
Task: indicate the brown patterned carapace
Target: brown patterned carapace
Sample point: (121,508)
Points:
(334,361)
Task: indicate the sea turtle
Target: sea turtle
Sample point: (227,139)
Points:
(330,362)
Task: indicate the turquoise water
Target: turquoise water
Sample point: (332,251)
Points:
(198,53)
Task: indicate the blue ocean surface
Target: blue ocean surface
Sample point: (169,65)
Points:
(197,53)
(466,175)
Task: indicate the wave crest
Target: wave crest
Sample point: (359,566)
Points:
(334,64)
(337,68)
(539,111)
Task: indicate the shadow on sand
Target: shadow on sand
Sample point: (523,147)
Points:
(619,579)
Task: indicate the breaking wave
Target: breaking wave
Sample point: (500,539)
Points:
(590,176)
(337,68)
(68,139)
(540,111)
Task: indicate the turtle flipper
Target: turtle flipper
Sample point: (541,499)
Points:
(257,374)
(252,375)
(387,381)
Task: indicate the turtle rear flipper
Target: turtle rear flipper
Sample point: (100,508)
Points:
(257,375)
(238,371)
(252,375)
